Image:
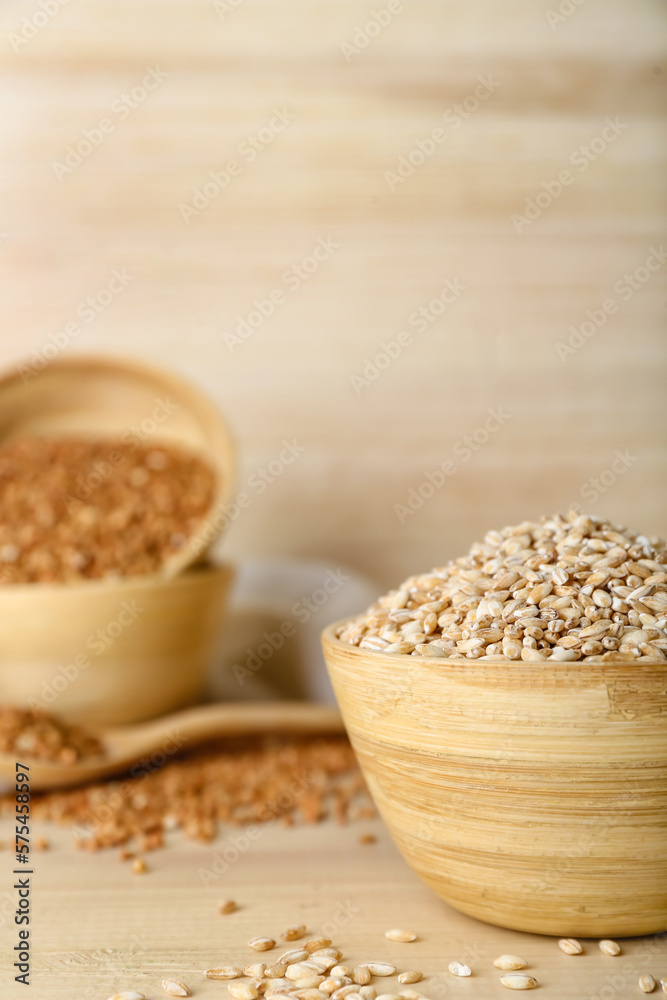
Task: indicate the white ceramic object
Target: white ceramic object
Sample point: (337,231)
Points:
(277,611)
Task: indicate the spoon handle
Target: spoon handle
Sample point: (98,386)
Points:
(195,725)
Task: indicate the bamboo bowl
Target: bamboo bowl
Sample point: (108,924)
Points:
(114,398)
(108,653)
(527,795)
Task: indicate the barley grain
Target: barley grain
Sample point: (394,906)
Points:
(294,933)
(320,962)
(411,976)
(570,946)
(275,971)
(308,982)
(255,971)
(175,988)
(317,944)
(295,955)
(399,935)
(262,943)
(646,983)
(224,972)
(299,970)
(361,975)
(332,983)
(343,992)
(243,991)
(380,968)
(458,969)
(609,947)
(510,963)
(568,575)
(228,906)
(518,981)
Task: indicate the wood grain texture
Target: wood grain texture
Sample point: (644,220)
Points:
(529,795)
(323,177)
(99,929)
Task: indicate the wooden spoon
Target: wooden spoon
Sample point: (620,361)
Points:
(147,745)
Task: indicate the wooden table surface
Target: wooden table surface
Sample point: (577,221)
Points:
(99,929)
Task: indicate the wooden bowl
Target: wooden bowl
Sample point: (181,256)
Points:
(532,796)
(100,397)
(108,653)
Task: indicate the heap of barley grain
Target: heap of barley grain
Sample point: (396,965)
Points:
(571,587)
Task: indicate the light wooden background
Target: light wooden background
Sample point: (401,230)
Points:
(322,177)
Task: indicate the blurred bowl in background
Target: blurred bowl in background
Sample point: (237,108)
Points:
(529,795)
(272,646)
(108,653)
(107,398)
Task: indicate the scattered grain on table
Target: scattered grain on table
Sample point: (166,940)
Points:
(570,946)
(258,780)
(609,947)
